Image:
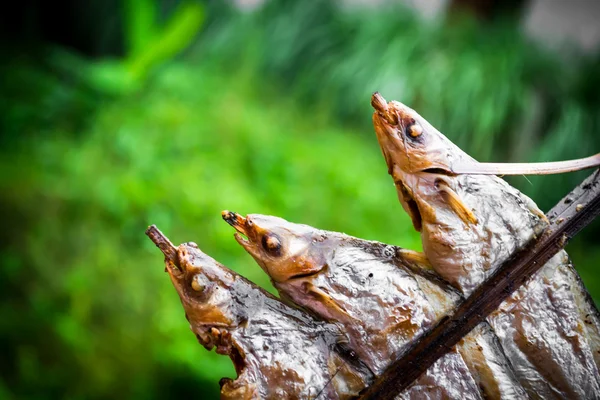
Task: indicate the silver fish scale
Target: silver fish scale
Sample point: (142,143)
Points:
(541,326)
(541,331)
(447,378)
(387,307)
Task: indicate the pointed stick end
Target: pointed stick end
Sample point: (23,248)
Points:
(378,102)
(162,242)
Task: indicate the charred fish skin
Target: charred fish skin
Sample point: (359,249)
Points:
(279,352)
(470,225)
(382,296)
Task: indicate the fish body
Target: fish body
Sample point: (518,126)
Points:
(471,224)
(385,300)
(279,352)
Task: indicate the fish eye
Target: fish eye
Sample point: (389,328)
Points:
(272,244)
(413,129)
(197,285)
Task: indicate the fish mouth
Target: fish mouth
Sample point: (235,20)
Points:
(238,358)
(236,220)
(386,137)
(247,236)
(225,344)
(385,120)
(410,205)
(241,225)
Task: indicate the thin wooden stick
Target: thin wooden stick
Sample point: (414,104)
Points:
(567,218)
(541,168)
(162,242)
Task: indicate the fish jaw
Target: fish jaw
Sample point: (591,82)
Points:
(246,234)
(391,148)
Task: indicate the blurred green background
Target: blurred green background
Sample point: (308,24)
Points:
(120,114)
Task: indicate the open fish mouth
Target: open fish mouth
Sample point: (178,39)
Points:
(410,205)
(240,224)
(388,139)
(236,220)
(226,344)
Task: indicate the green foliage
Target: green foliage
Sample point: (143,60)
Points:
(178,33)
(149,45)
(268,113)
(174,156)
(141,17)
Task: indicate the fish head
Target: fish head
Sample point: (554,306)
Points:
(418,156)
(231,314)
(454,211)
(205,289)
(410,144)
(294,256)
(284,250)
(215,305)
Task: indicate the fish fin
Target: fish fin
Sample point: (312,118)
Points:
(533,208)
(324,298)
(541,168)
(415,257)
(457,205)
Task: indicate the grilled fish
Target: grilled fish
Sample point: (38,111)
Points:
(279,352)
(384,296)
(470,224)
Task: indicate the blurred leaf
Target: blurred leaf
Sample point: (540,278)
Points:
(140,24)
(178,33)
(112,77)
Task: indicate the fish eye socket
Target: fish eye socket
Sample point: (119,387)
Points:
(271,244)
(196,285)
(413,129)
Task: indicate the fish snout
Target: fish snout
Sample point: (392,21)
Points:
(383,110)
(236,220)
